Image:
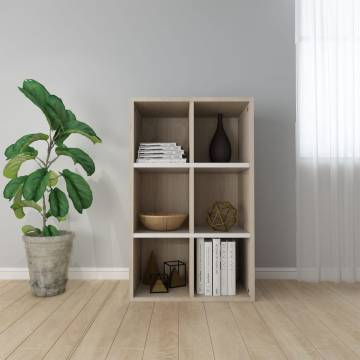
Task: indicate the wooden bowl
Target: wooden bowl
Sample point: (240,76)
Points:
(162,221)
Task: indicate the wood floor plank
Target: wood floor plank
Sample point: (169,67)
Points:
(337,314)
(8,286)
(257,336)
(194,334)
(328,345)
(349,291)
(291,340)
(18,290)
(13,336)
(226,338)
(16,310)
(130,340)
(3,282)
(66,344)
(41,340)
(163,336)
(100,336)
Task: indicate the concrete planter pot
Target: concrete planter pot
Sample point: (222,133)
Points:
(48,261)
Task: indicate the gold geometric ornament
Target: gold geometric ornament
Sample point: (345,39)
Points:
(222,216)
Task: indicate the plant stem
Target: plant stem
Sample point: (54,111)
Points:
(46,165)
(44,213)
(41,161)
(52,161)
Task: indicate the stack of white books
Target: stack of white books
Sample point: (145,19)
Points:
(160,153)
(215,267)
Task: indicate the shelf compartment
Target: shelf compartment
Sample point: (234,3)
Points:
(237,124)
(156,121)
(233,187)
(165,249)
(244,274)
(160,191)
(162,167)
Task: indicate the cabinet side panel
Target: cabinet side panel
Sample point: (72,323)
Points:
(191,132)
(248,183)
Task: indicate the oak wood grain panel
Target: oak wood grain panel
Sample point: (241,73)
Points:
(66,344)
(257,336)
(130,340)
(293,342)
(14,335)
(100,336)
(194,335)
(41,340)
(226,338)
(162,340)
(324,340)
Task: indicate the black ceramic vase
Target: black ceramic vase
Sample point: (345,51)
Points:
(220,147)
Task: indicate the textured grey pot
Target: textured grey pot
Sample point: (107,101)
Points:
(48,260)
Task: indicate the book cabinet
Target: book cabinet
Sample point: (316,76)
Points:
(191,187)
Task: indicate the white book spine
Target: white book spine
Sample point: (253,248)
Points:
(224,268)
(160,152)
(216,267)
(208,268)
(160,160)
(231,267)
(143,144)
(160,148)
(200,266)
(159,156)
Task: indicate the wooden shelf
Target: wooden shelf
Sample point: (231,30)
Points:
(220,167)
(199,167)
(162,167)
(145,233)
(191,187)
(241,295)
(204,231)
(142,293)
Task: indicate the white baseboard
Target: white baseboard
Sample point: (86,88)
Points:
(82,273)
(122,273)
(282,273)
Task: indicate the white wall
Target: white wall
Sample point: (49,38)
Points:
(97,54)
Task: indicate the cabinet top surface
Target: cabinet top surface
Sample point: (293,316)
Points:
(192,99)
(180,106)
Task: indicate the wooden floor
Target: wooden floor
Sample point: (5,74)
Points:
(94,320)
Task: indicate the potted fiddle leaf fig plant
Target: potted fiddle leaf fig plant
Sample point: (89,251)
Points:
(48,249)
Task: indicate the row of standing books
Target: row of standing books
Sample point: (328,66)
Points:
(215,267)
(160,152)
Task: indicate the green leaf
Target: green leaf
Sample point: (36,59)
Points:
(19,205)
(18,210)
(59,205)
(22,145)
(35,185)
(13,186)
(78,189)
(71,126)
(27,203)
(51,230)
(12,167)
(79,157)
(30,230)
(53,178)
(56,111)
(38,94)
